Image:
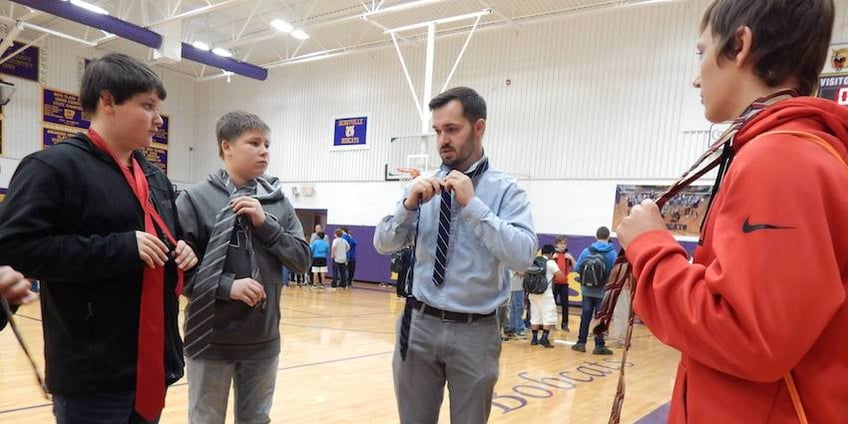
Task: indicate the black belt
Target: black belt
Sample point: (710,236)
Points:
(447,315)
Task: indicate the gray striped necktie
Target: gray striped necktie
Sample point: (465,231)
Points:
(201,308)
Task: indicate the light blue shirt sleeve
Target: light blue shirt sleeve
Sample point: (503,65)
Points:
(493,231)
(396,230)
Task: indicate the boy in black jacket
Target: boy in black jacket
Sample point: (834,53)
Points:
(96,223)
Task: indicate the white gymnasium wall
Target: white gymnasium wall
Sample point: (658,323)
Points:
(596,99)
(61,69)
(591,98)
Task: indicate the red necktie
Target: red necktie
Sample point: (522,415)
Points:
(150,367)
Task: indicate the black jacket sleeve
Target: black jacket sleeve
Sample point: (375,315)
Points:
(32,244)
(3,318)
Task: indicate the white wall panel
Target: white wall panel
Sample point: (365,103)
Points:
(595,96)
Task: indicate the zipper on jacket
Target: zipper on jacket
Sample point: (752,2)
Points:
(90,312)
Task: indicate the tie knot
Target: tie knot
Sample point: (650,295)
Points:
(481,167)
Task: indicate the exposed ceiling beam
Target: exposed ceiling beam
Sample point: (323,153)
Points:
(186,15)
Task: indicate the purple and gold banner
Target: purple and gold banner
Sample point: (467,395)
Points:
(3,193)
(158,157)
(22,65)
(161,136)
(54,134)
(62,108)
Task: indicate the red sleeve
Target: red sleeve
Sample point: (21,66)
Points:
(764,299)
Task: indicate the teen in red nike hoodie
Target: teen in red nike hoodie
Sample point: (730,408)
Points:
(766,295)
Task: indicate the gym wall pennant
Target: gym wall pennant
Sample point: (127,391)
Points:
(350,134)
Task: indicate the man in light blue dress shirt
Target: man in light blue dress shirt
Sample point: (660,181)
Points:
(466,235)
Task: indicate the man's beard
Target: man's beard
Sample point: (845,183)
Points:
(458,160)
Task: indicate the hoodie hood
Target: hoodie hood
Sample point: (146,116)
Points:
(822,117)
(603,246)
(267,187)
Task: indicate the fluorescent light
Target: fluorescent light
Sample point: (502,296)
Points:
(483,12)
(299,34)
(281,25)
(400,7)
(222,52)
(89,7)
(200,45)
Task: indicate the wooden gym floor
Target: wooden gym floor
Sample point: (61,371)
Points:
(336,368)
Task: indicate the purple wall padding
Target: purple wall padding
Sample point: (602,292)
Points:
(373,267)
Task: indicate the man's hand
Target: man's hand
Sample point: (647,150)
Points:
(151,250)
(570,258)
(423,189)
(461,186)
(250,208)
(185,257)
(14,287)
(248,291)
(643,218)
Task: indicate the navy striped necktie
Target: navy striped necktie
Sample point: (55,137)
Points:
(443,237)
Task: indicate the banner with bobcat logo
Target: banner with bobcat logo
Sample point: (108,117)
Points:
(349,134)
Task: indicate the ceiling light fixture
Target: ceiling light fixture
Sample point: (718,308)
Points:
(90,7)
(200,45)
(222,52)
(300,35)
(281,25)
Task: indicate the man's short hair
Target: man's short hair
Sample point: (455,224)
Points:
(234,124)
(339,232)
(603,233)
(548,249)
(345,229)
(560,239)
(120,75)
(790,37)
(473,105)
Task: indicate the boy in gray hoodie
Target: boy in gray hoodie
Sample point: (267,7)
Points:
(246,231)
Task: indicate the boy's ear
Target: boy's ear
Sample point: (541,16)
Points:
(743,39)
(225,146)
(106,102)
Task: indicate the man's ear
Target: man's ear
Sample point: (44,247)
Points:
(480,127)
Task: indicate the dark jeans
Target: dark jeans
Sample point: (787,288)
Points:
(340,271)
(561,297)
(102,408)
(591,305)
(351,268)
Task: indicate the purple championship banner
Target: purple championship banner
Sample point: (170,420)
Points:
(161,136)
(24,64)
(54,134)
(158,157)
(62,108)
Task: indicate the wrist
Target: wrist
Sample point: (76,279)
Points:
(409,204)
